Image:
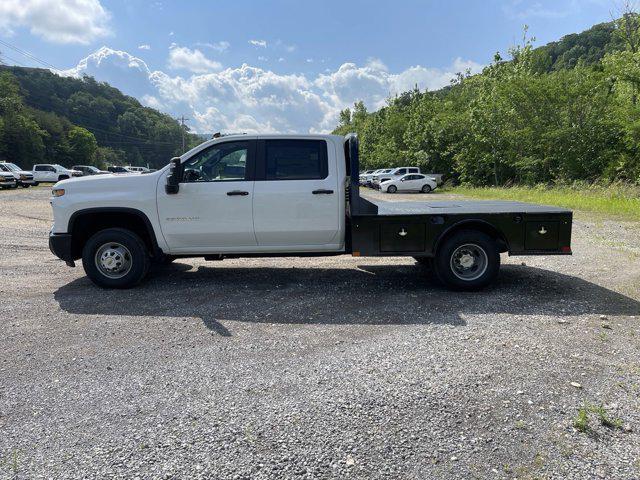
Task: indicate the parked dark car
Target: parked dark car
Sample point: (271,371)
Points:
(89,170)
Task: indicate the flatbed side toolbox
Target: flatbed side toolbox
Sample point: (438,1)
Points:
(541,235)
(403,237)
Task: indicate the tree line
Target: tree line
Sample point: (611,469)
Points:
(46,118)
(561,113)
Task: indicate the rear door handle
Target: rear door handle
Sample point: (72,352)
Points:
(323,192)
(234,193)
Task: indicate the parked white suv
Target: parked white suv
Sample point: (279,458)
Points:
(392,174)
(47,172)
(24,178)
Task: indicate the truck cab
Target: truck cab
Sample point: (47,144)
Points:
(271,195)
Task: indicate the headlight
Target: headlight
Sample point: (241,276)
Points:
(58,192)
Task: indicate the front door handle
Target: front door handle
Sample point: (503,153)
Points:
(234,193)
(323,192)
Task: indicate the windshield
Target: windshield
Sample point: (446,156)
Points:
(12,166)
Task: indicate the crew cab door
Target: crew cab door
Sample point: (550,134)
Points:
(296,199)
(212,211)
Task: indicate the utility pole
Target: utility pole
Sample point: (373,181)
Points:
(182,120)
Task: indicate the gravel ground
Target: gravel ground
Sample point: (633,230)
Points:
(334,367)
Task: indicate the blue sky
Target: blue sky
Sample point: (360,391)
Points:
(281,65)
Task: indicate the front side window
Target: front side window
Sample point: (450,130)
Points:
(224,162)
(296,160)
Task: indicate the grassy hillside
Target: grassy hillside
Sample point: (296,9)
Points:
(48,118)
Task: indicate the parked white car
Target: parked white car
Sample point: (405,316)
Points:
(7,180)
(376,174)
(394,173)
(362,178)
(137,169)
(413,182)
(366,178)
(48,172)
(24,178)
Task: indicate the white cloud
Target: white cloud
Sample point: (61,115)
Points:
(219,47)
(144,47)
(254,99)
(193,60)
(151,101)
(59,21)
(258,43)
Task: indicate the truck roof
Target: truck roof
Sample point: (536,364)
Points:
(274,136)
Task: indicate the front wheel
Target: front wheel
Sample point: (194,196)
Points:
(426,189)
(469,260)
(115,258)
(35,184)
(25,185)
(392,189)
(63,177)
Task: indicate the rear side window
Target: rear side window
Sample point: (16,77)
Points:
(296,160)
(40,168)
(413,170)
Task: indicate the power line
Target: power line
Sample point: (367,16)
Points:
(12,59)
(29,55)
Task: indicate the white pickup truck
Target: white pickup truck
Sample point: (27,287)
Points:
(283,195)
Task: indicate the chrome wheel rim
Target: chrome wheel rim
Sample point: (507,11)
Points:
(469,262)
(113,260)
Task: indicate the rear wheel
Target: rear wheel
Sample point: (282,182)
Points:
(24,185)
(35,184)
(426,189)
(63,177)
(115,258)
(469,260)
(392,189)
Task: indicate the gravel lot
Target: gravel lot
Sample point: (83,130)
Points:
(318,368)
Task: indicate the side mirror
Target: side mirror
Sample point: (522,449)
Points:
(175,175)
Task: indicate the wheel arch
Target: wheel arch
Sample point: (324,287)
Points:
(477,225)
(85,223)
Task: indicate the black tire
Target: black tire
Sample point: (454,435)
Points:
(137,258)
(35,184)
(25,185)
(392,189)
(63,177)
(467,246)
(426,189)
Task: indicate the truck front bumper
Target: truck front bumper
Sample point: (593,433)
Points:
(60,246)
